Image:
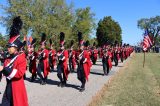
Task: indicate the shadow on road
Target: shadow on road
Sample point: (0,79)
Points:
(53,82)
(95,73)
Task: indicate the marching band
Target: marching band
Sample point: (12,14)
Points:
(44,61)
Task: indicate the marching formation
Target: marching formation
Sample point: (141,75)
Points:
(44,61)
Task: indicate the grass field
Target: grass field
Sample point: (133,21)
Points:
(133,85)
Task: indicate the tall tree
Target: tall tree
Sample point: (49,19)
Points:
(49,16)
(108,31)
(84,22)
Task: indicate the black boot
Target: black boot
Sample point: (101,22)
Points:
(60,84)
(45,80)
(42,82)
(60,78)
(63,84)
(32,78)
(82,88)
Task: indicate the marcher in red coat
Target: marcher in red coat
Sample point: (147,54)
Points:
(87,48)
(85,55)
(82,58)
(106,61)
(43,64)
(74,59)
(32,55)
(18,95)
(116,54)
(94,54)
(109,59)
(14,68)
(23,52)
(72,62)
(52,57)
(62,67)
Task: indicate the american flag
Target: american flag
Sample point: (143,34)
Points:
(147,42)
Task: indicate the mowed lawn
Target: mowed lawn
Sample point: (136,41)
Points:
(134,85)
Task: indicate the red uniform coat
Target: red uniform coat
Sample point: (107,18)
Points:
(89,61)
(65,66)
(118,52)
(109,53)
(73,58)
(109,60)
(18,87)
(53,52)
(33,61)
(127,52)
(86,65)
(45,62)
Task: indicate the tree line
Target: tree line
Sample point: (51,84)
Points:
(55,16)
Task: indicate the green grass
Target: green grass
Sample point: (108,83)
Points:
(135,85)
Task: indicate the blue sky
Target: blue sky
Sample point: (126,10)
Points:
(126,12)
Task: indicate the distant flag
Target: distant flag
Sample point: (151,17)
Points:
(147,41)
(30,39)
(29,33)
(25,38)
(29,36)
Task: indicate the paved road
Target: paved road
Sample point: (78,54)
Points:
(52,95)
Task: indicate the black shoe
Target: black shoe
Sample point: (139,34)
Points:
(52,70)
(63,84)
(60,84)
(32,80)
(82,89)
(104,74)
(42,82)
(0,92)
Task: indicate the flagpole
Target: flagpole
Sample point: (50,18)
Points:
(144,59)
